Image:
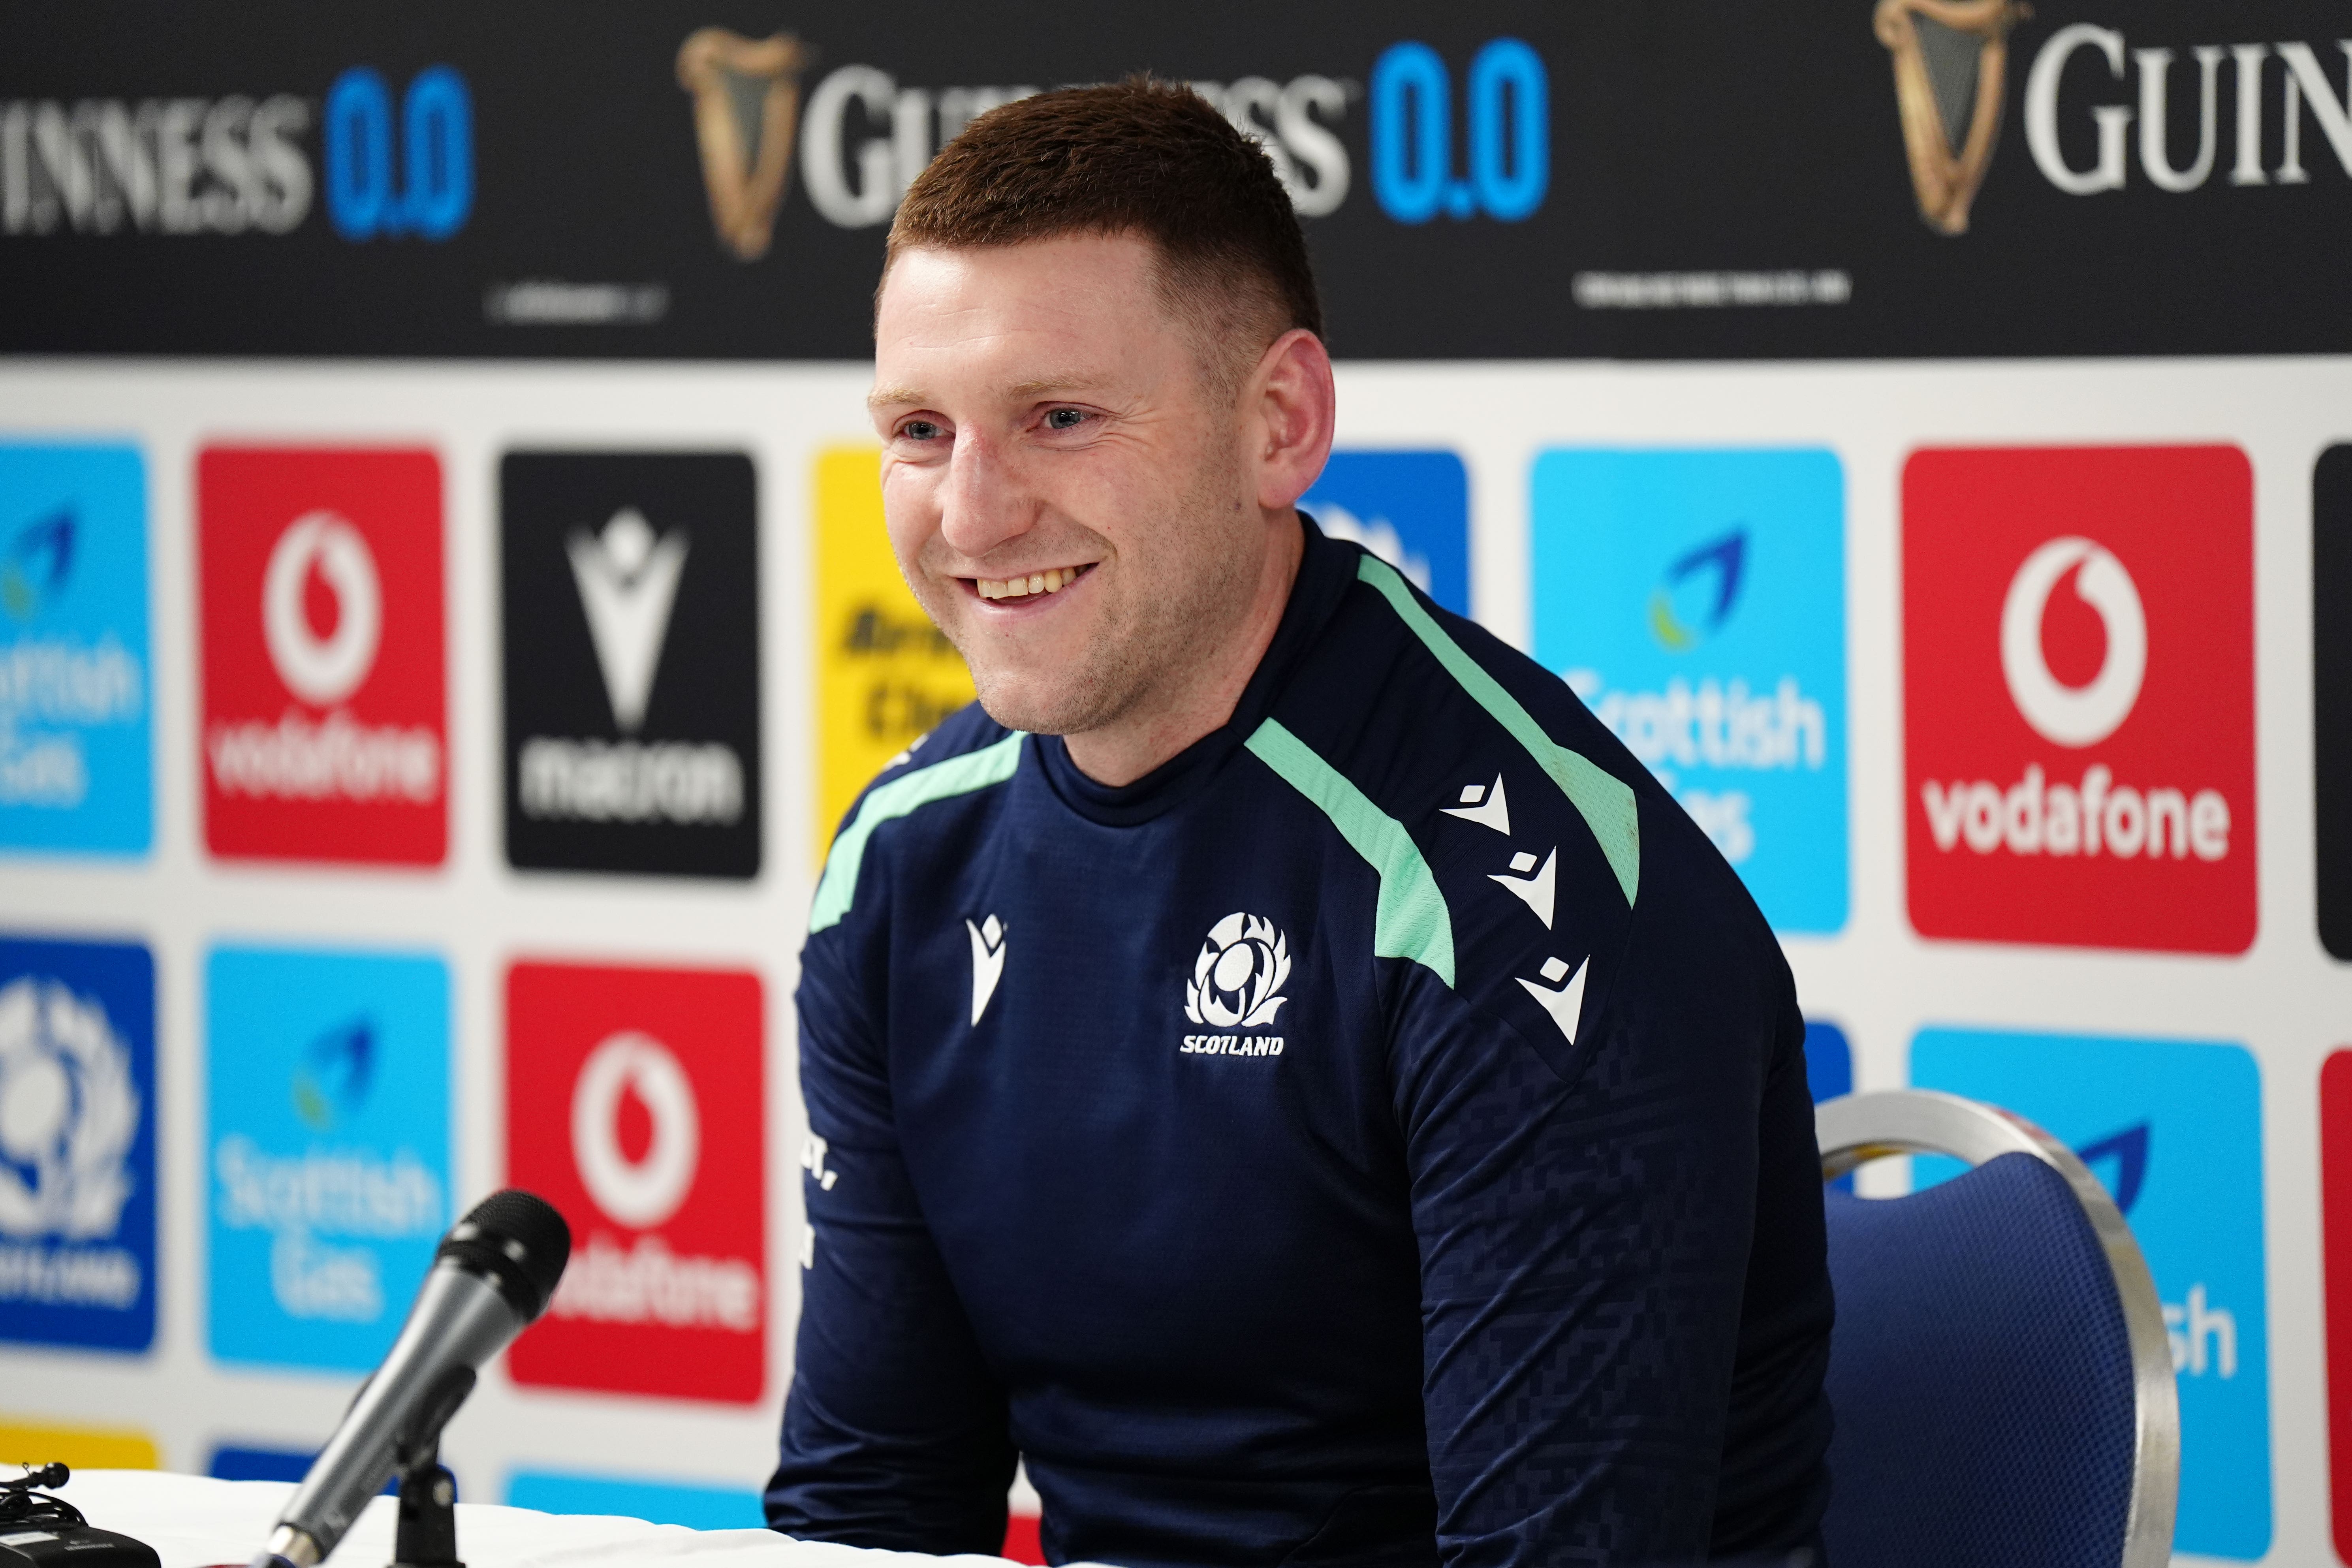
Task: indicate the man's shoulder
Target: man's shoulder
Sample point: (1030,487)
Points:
(1437,720)
(966,756)
(1541,837)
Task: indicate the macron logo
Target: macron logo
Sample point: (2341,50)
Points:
(628,583)
(987,961)
(1565,1003)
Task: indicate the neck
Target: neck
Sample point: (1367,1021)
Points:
(1131,746)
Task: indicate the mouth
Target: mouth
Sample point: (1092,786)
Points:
(1036,584)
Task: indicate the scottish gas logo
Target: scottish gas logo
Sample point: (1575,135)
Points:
(76,1144)
(2174,1129)
(75,743)
(2079,681)
(328,1077)
(1696,602)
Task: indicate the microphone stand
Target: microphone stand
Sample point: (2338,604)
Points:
(428,1532)
(427,1536)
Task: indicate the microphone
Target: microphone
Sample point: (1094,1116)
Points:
(492,1275)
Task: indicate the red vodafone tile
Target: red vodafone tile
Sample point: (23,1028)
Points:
(2079,696)
(2336,1218)
(635,1104)
(325,730)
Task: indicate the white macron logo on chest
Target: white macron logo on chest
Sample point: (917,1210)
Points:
(987,961)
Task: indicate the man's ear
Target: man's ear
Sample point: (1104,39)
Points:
(1290,410)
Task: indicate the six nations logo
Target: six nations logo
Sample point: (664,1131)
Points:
(1237,980)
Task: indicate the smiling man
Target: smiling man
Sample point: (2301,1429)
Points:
(1276,1064)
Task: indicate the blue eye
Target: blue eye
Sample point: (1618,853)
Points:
(1066,418)
(919,429)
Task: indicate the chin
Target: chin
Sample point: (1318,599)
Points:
(1040,704)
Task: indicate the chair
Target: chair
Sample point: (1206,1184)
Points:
(2000,1371)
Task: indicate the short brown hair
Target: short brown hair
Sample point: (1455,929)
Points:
(1145,157)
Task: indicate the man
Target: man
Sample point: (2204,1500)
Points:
(1276,1064)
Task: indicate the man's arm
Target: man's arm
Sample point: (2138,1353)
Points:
(895,1431)
(1583,1242)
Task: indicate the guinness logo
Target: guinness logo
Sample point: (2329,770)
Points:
(1949,61)
(746,101)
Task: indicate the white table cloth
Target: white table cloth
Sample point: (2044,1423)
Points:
(193,1520)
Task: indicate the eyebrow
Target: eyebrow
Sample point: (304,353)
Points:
(905,396)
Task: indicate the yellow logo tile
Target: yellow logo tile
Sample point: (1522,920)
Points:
(885,674)
(81,1447)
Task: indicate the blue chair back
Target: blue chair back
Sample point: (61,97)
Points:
(1996,1404)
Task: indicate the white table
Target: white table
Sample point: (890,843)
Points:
(193,1520)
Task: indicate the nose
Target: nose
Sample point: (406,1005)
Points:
(983,503)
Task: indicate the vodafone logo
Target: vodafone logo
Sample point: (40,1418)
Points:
(2066,715)
(636,1105)
(645,1281)
(2079,732)
(325,723)
(644,1192)
(325,670)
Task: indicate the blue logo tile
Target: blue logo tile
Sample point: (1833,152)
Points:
(329,1151)
(232,1463)
(2175,1130)
(1695,601)
(664,1502)
(76,1144)
(1828,1071)
(75,679)
(1410,508)
(1829,1061)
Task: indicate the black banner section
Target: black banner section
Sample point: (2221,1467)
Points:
(641,178)
(2331,638)
(631,590)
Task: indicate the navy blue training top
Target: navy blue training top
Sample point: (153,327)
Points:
(1379,1135)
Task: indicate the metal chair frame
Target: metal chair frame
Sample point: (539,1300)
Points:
(1856,1129)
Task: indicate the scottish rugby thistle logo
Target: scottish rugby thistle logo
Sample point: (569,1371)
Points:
(68,1112)
(1238,978)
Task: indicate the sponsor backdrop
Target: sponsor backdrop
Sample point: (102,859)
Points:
(444,611)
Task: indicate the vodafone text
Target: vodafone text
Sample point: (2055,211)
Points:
(645,1282)
(2097,815)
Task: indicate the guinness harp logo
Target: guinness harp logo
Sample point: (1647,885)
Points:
(746,99)
(1949,61)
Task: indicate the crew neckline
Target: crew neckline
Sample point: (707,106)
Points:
(1325,567)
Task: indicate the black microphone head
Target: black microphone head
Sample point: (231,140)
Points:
(516,1240)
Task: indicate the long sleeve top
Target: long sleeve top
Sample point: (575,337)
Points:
(1379,1135)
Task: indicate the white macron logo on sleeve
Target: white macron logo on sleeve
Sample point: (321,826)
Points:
(987,961)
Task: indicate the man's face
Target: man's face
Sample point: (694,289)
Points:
(1063,486)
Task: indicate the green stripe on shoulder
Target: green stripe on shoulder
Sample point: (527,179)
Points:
(1602,799)
(1411,920)
(940,781)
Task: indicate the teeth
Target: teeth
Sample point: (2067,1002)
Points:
(1051,582)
